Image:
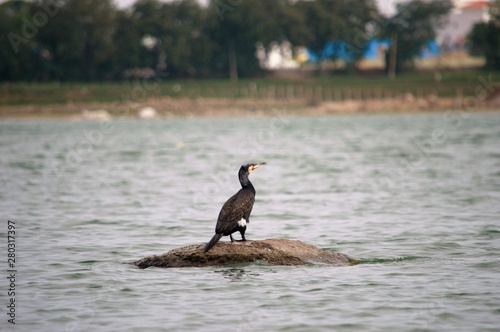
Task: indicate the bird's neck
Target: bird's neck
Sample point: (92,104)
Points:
(245,183)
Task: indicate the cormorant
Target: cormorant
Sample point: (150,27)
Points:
(235,213)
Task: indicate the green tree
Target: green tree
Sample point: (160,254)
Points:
(179,31)
(484,38)
(236,26)
(19,51)
(80,39)
(127,43)
(414,24)
(187,49)
(348,21)
(322,23)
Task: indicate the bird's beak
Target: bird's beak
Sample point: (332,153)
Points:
(251,168)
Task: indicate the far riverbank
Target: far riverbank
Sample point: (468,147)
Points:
(167,107)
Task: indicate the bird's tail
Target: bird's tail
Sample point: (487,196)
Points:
(213,242)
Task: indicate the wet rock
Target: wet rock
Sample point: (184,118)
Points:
(271,251)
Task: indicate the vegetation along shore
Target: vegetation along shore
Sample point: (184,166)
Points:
(154,98)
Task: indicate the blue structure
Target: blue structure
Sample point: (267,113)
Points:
(374,45)
(342,50)
(337,49)
(431,49)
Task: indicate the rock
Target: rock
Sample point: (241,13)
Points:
(408,97)
(101,115)
(271,251)
(432,100)
(147,113)
(493,98)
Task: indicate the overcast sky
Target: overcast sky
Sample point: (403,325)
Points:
(386,6)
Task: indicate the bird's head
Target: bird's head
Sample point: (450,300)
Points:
(248,168)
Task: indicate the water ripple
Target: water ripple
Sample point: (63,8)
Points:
(423,225)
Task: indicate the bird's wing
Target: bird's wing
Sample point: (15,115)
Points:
(236,207)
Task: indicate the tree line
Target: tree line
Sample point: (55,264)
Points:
(92,40)
(484,39)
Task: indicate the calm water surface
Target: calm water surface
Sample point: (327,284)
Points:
(415,197)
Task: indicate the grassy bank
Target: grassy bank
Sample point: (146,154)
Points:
(331,88)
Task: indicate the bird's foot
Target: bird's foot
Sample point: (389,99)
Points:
(233,240)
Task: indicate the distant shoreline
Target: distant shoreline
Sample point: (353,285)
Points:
(416,92)
(167,107)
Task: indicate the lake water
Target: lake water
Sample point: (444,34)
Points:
(414,197)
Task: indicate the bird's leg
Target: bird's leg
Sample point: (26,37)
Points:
(231,237)
(242,236)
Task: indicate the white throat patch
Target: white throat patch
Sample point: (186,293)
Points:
(242,222)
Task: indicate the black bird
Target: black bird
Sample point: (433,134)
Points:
(235,213)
